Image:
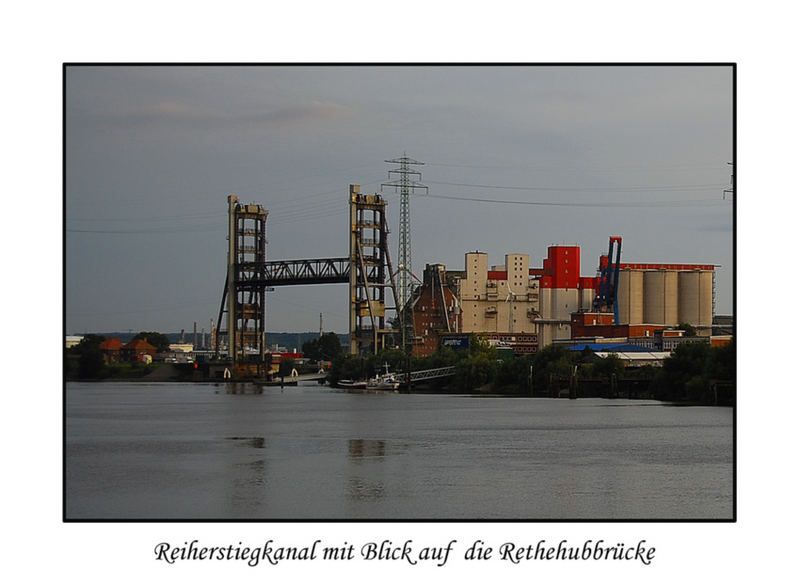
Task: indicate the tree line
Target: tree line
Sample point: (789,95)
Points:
(694,372)
(85,360)
(689,374)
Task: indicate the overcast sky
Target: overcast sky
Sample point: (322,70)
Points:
(563,154)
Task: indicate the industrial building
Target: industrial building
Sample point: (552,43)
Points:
(533,307)
(515,298)
(434,311)
(667,294)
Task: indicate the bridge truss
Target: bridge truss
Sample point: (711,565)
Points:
(367,270)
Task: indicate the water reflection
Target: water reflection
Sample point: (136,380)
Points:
(247,477)
(368,454)
(249,442)
(360,448)
(250,474)
(243,389)
(360,489)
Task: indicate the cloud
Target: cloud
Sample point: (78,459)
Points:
(175,115)
(177,109)
(314,111)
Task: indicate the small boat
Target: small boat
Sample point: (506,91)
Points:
(385,382)
(352,384)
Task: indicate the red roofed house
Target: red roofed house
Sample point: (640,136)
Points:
(136,350)
(111,349)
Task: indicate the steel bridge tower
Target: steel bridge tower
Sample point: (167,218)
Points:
(243,297)
(370,273)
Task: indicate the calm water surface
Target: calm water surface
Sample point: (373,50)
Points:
(164,450)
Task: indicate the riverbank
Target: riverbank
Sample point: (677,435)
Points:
(168,374)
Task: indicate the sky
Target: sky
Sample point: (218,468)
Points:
(516,158)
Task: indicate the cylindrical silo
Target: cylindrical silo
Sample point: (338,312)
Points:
(706,298)
(689,297)
(695,297)
(671,299)
(661,297)
(630,296)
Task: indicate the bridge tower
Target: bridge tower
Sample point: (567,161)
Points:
(370,273)
(243,297)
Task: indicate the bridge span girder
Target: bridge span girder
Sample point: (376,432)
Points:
(277,273)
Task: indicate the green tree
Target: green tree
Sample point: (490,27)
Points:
(286,367)
(444,356)
(157,339)
(475,371)
(478,345)
(688,329)
(395,358)
(327,347)
(608,367)
(587,355)
(478,366)
(553,361)
(350,368)
(90,363)
(721,364)
(512,374)
(686,363)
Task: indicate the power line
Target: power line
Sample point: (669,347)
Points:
(165,231)
(671,203)
(577,168)
(154,219)
(701,187)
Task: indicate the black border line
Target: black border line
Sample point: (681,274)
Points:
(67,65)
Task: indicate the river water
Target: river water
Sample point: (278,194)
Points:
(195,451)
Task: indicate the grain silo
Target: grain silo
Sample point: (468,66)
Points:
(695,297)
(661,297)
(630,296)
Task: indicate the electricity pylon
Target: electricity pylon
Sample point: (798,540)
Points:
(406,185)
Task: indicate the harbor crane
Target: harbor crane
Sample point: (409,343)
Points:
(606,298)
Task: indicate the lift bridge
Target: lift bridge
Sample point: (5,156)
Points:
(367,269)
